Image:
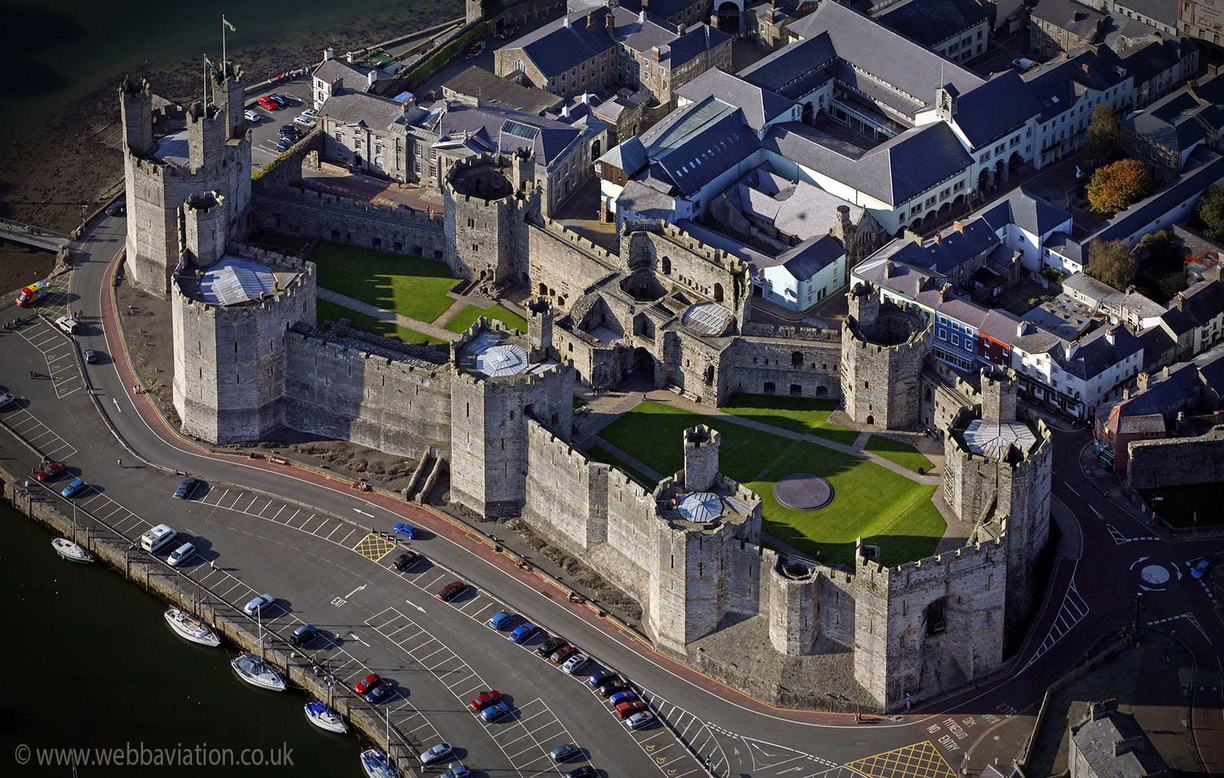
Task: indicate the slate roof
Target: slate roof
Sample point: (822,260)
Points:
(903,278)
(1104,294)
(1203,302)
(931,22)
(555,48)
(1163,11)
(886,54)
(647,201)
(363,109)
(1096,354)
(694,145)
(811,256)
(1178,120)
(505,131)
(1156,344)
(698,39)
(955,247)
(333,69)
(1000,326)
(796,70)
(1078,19)
(800,209)
(760,106)
(1031,214)
(1096,741)
(1058,84)
(1129,224)
(894,171)
(1064,245)
(663,8)
(484,85)
(995,108)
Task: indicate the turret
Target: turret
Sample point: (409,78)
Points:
(206,135)
(701,445)
(204,229)
(998,395)
(136,111)
(233,88)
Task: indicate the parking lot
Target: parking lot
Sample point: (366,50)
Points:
(58,350)
(266,133)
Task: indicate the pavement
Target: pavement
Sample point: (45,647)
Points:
(308,539)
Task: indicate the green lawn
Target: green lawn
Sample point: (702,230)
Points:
(468,316)
(882,507)
(328,311)
(601,454)
(284,244)
(410,286)
(797,414)
(900,453)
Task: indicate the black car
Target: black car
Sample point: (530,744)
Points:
(586,771)
(549,646)
(187,488)
(379,691)
(612,686)
(289,130)
(303,635)
(91,356)
(406,560)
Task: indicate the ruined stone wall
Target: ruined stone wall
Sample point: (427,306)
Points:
(971,482)
(694,365)
(1176,461)
(930,626)
(682,262)
(798,368)
(313,215)
(563,265)
(1024,499)
(337,389)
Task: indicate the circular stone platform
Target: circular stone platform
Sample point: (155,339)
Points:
(803,492)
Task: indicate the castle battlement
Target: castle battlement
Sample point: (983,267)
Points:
(678,236)
(970,555)
(348,203)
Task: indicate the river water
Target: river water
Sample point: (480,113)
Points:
(89,663)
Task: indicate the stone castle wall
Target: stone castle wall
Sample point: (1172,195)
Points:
(338,389)
(564,265)
(1176,461)
(797,368)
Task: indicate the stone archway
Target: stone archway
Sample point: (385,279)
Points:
(729,16)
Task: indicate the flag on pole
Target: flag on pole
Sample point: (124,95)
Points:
(226,22)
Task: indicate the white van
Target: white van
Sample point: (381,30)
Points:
(180,554)
(157,538)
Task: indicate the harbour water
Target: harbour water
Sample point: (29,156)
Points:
(89,663)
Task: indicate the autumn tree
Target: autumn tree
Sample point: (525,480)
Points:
(1101,144)
(1116,186)
(1111,262)
(1210,212)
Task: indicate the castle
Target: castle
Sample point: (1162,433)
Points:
(666,310)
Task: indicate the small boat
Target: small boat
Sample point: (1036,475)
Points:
(256,672)
(377,765)
(188,627)
(71,551)
(324,717)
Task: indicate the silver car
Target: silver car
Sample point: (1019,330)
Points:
(258,604)
(436,753)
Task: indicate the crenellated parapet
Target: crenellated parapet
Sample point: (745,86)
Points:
(883,352)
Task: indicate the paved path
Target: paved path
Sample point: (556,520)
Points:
(422,327)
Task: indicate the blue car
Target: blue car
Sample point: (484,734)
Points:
(501,619)
(495,711)
(522,633)
(1199,571)
(73,489)
(626,696)
(379,691)
(407,530)
(598,677)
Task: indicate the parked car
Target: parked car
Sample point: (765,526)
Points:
(1199,571)
(68,324)
(485,699)
(562,654)
(268,103)
(586,771)
(252,116)
(407,530)
(522,633)
(379,691)
(459,770)
(495,711)
(290,130)
(501,620)
(303,635)
(436,753)
(625,695)
(639,720)
(5,399)
(549,646)
(612,687)
(575,663)
(476,49)
(406,560)
(117,208)
(598,677)
(565,752)
(367,683)
(279,99)
(91,356)
(304,121)
(188,487)
(451,591)
(627,709)
(258,604)
(1023,63)
(73,489)
(284,144)
(51,471)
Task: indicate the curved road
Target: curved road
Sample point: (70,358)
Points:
(1092,593)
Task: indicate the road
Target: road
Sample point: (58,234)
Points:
(300,536)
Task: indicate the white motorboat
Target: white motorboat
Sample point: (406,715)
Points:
(256,672)
(377,765)
(324,717)
(188,627)
(71,551)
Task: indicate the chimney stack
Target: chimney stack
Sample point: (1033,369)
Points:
(610,22)
(591,20)
(329,53)
(1142,382)
(937,238)
(1085,68)
(888,268)
(567,22)
(1181,301)
(958,225)
(1111,336)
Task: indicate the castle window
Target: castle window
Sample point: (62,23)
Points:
(673,561)
(235,347)
(796,359)
(866,384)
(471,222)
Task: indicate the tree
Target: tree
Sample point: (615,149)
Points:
(1116,186)
(1210,212)
(1101,144)
(1161,265)
(1111,262)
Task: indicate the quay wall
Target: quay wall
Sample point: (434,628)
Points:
(180,591)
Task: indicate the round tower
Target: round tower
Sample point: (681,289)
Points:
(883,351)
(484,219)
(204,229)
(701,457)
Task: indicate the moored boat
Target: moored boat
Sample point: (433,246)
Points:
(256,672)
(324,717)
(377,765)
(71,551)
(188,627)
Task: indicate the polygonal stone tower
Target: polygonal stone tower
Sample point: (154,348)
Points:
(701,457)
(883,350)
(171,154)
(485,211)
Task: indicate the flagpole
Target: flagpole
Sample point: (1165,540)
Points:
(205,82)
(223,25)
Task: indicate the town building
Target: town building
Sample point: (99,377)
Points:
(956,29)
(1110,744)
(1070,87)
(334,75)
(1063,26)
(1167,132)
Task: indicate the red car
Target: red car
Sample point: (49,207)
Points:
(367,683)
(485,699)
(627,709)
(51,471)
(562,654)
(451,591)
(267,102)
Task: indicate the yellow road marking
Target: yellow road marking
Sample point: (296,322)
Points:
(920,760)
(374,547)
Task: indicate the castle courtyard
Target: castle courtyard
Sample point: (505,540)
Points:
(870,502)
